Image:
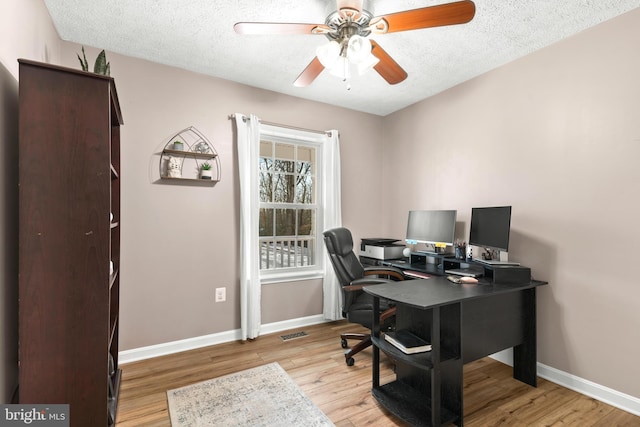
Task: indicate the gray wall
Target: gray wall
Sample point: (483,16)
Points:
(556,135)
(8,232)
(180,242)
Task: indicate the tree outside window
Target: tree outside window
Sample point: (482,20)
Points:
(288,206)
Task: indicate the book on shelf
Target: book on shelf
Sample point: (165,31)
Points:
(407,342)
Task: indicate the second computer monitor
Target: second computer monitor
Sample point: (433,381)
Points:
(490,227)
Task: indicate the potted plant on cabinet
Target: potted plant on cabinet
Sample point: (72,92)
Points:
(100,67)
(205,171)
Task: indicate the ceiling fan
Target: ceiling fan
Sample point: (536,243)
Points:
(348,29)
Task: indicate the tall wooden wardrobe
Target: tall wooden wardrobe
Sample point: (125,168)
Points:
(69,241)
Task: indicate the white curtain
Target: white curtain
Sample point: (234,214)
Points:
(332,218)
(248,133)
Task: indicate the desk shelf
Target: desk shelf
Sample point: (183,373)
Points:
(423,380)
(436,264)
(409,404)
(418,360)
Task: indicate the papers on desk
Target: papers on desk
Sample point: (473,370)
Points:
(407,342)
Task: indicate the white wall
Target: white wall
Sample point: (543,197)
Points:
(557,136)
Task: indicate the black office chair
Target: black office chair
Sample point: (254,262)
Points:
(357,306)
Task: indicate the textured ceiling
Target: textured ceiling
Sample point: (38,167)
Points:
(198,35)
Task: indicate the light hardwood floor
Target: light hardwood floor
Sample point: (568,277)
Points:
(316,363)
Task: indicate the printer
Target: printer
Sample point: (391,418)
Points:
(381,249)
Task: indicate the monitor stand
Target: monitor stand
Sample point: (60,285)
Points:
(496,262)
(496,258)
(435,253)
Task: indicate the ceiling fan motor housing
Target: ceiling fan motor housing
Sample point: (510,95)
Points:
(343,28)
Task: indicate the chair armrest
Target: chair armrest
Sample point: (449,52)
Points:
(387,314)
(358,284)
(351,288)
(396,273)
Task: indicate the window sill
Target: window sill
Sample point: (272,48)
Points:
(290,276)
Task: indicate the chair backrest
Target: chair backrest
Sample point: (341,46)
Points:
(345,263)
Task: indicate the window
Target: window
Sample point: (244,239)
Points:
(289,213)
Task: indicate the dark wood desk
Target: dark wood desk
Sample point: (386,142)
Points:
(463,323)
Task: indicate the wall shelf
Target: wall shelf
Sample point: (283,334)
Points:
(187,163)
(190,180)
(189,154)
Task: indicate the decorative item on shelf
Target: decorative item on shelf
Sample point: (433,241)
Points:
(174,168)
(201,148)
(205,171)
(178,145)
(101,65)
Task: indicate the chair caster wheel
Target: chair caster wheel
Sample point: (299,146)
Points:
(350,361)
(343,343)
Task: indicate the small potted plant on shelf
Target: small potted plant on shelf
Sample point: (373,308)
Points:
(178,146)
(205,171)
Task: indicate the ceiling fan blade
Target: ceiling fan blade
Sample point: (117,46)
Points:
(433,16)
(266,28)
(387,67)
(310,73)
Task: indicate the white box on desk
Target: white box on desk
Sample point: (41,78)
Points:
(382,252)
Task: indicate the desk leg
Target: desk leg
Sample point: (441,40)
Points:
(375,332)
(436,376)
(525,354)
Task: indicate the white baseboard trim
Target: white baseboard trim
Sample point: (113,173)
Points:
(136,354)
(604,394)
(599,392)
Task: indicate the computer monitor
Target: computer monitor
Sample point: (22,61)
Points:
(435,227)
(490,227)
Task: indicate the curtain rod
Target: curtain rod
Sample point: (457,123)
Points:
(245,118)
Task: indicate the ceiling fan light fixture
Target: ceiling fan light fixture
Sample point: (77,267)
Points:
(358,49)
(328,54)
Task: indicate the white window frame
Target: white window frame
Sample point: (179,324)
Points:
(299,137)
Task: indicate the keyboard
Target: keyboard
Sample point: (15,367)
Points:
(416,274)
(468,272)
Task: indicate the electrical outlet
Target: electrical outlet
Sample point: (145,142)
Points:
(221,294)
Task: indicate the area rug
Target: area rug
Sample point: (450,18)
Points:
(265,396)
